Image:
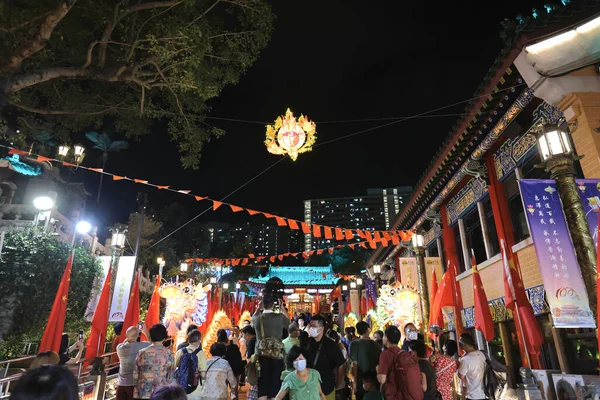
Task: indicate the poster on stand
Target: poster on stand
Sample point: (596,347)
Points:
(565,290)
(409,275)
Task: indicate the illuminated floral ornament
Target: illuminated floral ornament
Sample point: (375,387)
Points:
(289,136)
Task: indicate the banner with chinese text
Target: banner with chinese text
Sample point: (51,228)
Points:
(560,272)
(408,271)
(432,263)
(122,289)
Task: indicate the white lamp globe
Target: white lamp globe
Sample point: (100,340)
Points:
(83,227)
(43,203)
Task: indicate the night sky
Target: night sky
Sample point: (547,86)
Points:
(330,60)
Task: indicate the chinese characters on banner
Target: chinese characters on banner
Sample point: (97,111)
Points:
(563,283)
(430,264)
(408,271)
(122,289)
(121,292)
(371,292)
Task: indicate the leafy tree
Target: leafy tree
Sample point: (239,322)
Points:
(68,64)
(102,142)
(31,268)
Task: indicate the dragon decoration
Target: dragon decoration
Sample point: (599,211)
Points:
(397,305)
(187,304)
(289,136)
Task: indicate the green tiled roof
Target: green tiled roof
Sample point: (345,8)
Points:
(299,275)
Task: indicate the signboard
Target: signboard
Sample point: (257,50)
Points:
(122,288)
(564,285)
(409,275)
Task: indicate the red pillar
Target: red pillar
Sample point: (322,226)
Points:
(504,230)
(450,254)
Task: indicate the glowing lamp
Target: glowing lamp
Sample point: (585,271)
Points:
(183,267)
(43,203)
(238,285)
(226,286)
(359,281)
(290,136)
(63,151)
(352,285)
(553,141)
(376,269)
(83,227)
(417,240)
(118,239)
(213,280)
(345,288)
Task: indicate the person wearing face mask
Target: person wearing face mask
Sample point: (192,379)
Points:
(303,383)
(410,333)
(325,356)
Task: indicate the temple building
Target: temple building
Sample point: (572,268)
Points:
(307,288)
(545,82)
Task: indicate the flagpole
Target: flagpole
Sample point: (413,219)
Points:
(514,296)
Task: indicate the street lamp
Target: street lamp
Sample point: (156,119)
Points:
(63,151)
(352,285)
(344,288)
(559,159)
(377,272)
(43,203)
(213,280)
(238,286)
(418,244)
(226,286)
(79,152)
(161,264)
(183,267)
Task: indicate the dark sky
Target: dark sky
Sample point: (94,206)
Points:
(331,60)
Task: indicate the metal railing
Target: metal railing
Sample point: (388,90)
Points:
(82,375)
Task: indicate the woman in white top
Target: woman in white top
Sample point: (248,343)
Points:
(218,376)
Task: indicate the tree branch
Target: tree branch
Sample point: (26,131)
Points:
(230,34)
(119,16)
(40,39)
(24,24)
(199,17)
(58,112)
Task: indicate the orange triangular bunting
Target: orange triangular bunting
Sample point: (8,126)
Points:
(100,170)
(244,261)
(330,250)
(305,228)
(361,234)
(339,235)
(199,198)
(42,159)
(184,191)
(280,221)
(349,234)
(351,246)
(293,224)
(319,252)
(140,181)
(216,204)
(115,177)
(328,232)
(235,208)
(316,230)
(363,244)
(252,212)
(163,187)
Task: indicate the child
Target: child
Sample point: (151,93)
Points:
(371,386)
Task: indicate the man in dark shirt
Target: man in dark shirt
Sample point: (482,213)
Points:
(326,357)
(250,338)
(364,354)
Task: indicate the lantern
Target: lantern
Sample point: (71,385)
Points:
(290,136)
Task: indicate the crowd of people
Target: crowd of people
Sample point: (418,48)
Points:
(302,357)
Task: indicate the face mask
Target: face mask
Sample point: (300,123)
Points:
(313,332)
(299,365)
(412,335)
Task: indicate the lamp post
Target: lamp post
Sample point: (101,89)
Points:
(78,153)
(161,264)
(419,249)
(117,244)
(559,159)
(377,272)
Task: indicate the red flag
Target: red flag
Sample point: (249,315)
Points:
(518,300)
(94,346)
(56,322)
(439,321)
(336,293)
(153,315)
(483,316)
(348,309)
(132,315)
(363,306)
(443,297)
(458,303)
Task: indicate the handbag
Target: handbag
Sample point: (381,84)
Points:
(251,373)
(269,346)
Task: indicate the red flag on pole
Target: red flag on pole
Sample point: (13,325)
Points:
(94,346)
(516,299)
(483,316)
(132,315)
(56,322)
(458,303)
(443,297)
(153,315)
(439,320)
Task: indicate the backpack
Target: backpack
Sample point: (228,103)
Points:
(407,376)
(186,373)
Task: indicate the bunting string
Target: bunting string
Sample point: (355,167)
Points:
(318,231)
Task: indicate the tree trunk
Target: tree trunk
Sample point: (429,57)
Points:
(104,159)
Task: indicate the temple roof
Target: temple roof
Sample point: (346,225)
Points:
(299,276)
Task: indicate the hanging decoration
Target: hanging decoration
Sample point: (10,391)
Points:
(289,136)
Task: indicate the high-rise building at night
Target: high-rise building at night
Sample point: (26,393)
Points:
(375,211)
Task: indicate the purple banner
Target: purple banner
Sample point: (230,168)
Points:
(371,291)
(563,283)
(589,191)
